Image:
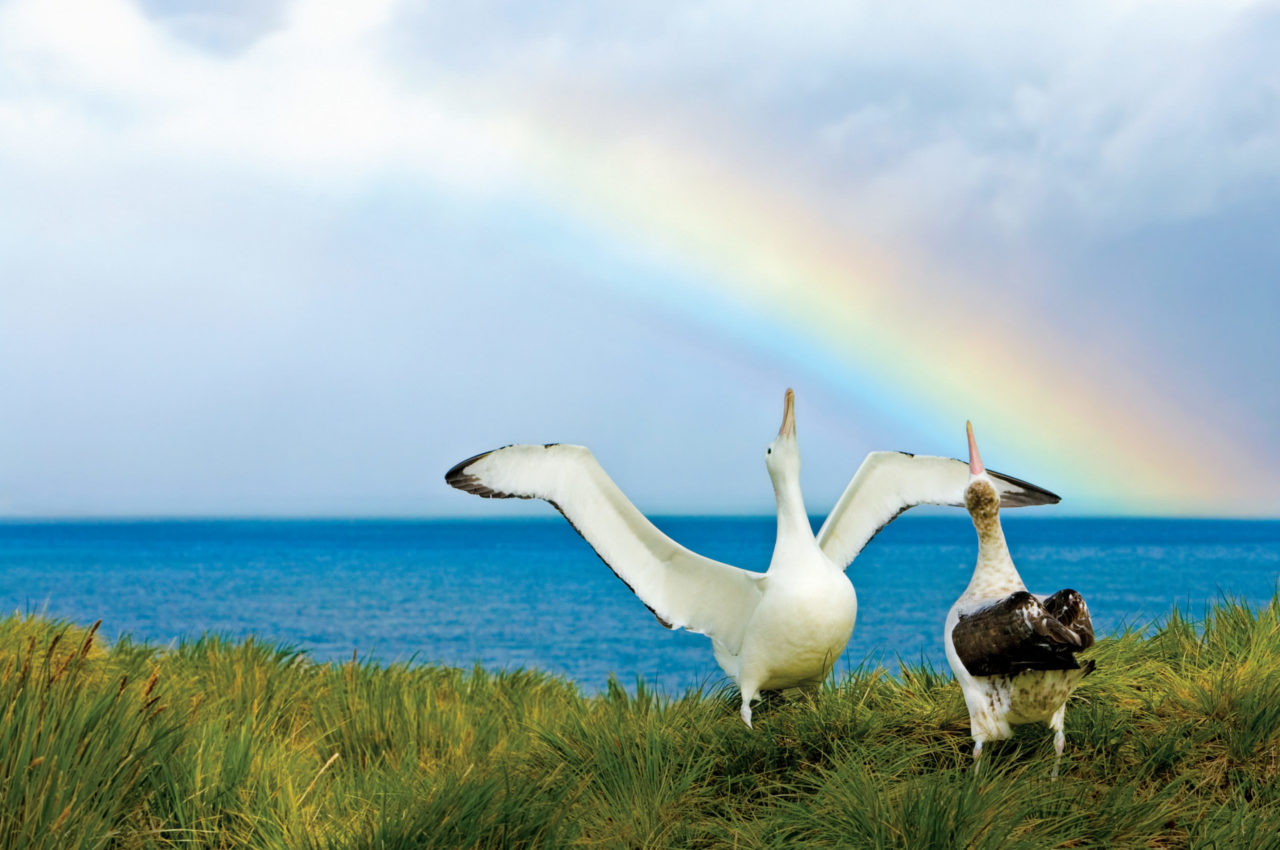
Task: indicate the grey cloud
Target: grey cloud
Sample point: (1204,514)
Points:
(1085,115)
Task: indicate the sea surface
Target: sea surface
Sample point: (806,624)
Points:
(530,593)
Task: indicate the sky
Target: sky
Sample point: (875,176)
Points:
(299,258)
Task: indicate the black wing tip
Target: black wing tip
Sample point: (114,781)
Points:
(1031,494)
(460,479)
(459,470)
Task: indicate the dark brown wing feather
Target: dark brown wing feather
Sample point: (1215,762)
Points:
(1069,609)
(1015,634)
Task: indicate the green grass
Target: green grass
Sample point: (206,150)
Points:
(1173,742)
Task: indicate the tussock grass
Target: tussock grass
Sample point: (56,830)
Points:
(1173,742)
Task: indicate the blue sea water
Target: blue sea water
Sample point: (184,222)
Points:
(530,593)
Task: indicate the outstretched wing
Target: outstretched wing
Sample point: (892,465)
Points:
(888,483)
(1015,634)
(682,589)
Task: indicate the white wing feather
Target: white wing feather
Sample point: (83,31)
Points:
(683,589)
(889,483)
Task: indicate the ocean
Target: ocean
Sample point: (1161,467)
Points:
(511,593)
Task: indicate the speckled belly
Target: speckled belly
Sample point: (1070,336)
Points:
(1029,697)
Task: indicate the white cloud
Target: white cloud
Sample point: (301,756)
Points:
(314,100)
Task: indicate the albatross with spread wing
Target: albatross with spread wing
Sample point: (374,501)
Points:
(775,630)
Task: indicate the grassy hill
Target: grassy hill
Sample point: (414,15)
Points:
(1173,742)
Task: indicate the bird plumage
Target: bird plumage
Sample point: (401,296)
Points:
(888,483)
(774,630)
(1013,652)
(683,589)
(1022,632)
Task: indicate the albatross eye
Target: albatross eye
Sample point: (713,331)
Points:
(769,450)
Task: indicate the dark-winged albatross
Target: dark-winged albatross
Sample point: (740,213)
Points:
(775,630)
(1013,652)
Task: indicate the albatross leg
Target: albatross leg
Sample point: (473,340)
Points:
(977,754)
(1059,738)
(748,695)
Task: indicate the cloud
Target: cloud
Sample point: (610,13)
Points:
(1092,115)
(311,101)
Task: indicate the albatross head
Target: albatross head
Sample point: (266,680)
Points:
(980,497)
(783,454)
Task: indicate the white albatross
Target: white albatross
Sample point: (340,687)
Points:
(1012,652)
(780,629)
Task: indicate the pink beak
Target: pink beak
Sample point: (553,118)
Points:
(788,428)
(975,459)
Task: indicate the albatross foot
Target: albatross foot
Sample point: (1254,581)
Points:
(1059,744)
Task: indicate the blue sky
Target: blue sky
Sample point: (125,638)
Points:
(299,258)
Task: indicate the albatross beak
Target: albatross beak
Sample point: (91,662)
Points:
(788,428)
(975,459)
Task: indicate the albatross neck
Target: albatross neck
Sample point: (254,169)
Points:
(994,574)
(793,521)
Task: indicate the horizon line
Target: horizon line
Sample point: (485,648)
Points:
(12,519)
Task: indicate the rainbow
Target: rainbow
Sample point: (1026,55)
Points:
(751,262)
